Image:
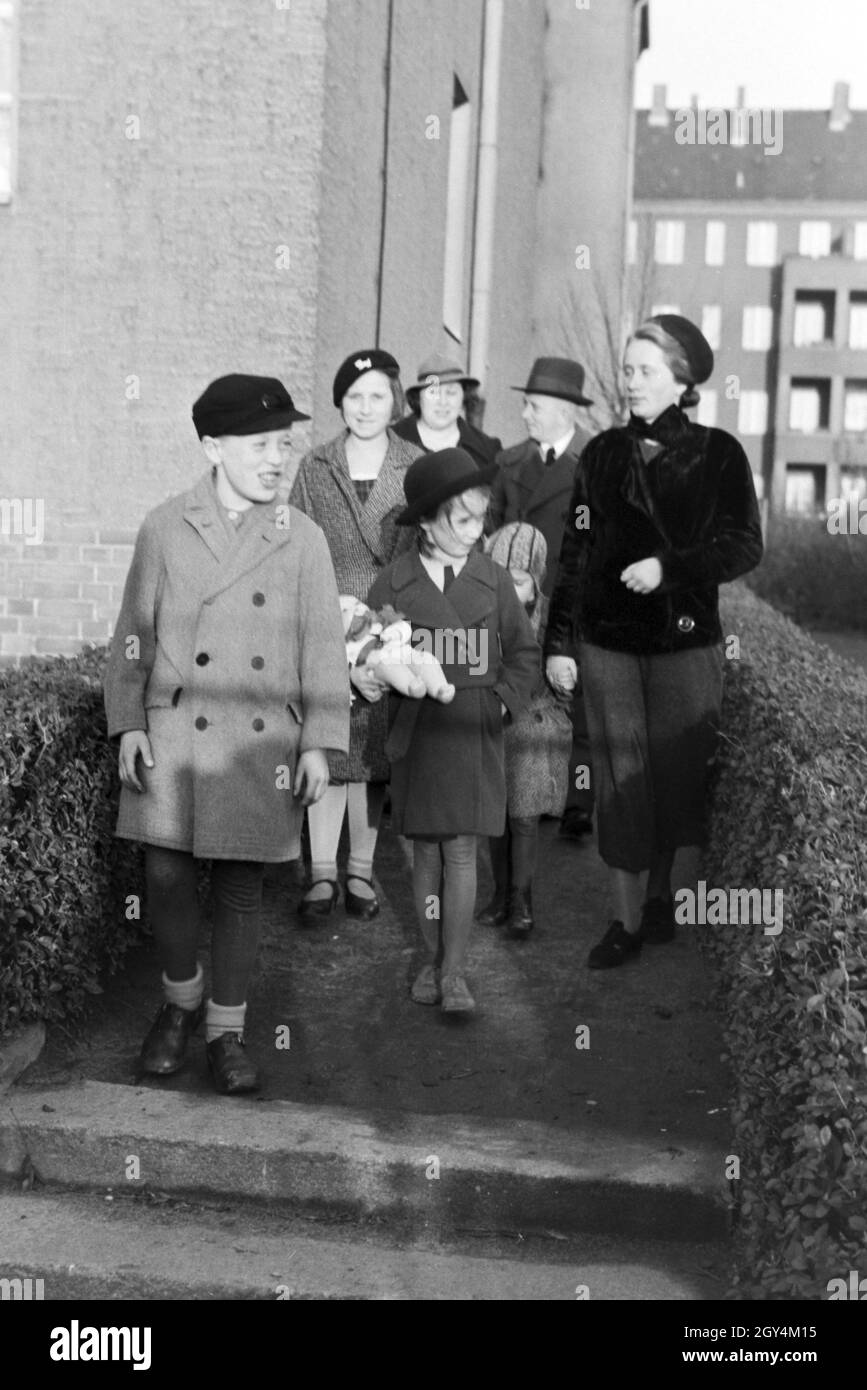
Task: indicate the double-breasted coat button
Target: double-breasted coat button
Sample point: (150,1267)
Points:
(685,623)
(201,722)
(257,663)
(258,725)
(202,659)
(258,599)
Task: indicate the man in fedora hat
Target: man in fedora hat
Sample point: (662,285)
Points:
(535,484)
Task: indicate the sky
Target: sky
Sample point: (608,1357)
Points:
(786,53)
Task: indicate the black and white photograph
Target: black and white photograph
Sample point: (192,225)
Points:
(433,669)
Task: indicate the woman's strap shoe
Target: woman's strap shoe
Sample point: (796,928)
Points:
(165,1046)
(231,1068)
(319,907)
(365,908)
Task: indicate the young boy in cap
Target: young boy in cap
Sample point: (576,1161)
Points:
(226,685)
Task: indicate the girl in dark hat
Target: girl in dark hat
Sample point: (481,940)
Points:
(664,511)
(447,763)
(353,488)
(440,400)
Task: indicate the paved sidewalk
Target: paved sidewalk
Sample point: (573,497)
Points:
(627,1136)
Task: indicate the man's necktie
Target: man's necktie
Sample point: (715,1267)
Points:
(448,578)
(550,457)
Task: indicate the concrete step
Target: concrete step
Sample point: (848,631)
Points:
(451,1170)
(87,1246)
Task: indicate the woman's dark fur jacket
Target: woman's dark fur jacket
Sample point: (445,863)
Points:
(691,504)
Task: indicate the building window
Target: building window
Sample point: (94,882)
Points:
(815,239)
(711,323)
(855,407)
(805,487)
(632,242)
(753,412)
(706,409)
(814,317)
(853,483)
(668,248)
(7,100)
(758,326)
(809,404)
(858,319)
(859,241)
(715,243)
(761,243)
(457,213)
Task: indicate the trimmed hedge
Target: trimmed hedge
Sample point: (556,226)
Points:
(815,577)
(64,879)
(790,812)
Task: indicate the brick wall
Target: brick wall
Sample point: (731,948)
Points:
(64,593)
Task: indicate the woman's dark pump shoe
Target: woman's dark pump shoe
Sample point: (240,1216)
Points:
(365,908)
(231,1068)
(165,1046)
(615,948)
(319,907)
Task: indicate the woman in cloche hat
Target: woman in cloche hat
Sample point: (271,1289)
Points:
(664,511)
(447,762)
(352,487)
(440,401)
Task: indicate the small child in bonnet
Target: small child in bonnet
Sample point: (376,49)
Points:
(537,746)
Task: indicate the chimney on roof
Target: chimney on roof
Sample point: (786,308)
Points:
(840,113)
(658,113)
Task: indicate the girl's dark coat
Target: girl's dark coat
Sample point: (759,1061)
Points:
(690,502)
(448,773)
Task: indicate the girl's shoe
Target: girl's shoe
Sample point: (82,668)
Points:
(521,921)
(497,910)
(426,986)
(319,907)
(456,998)
(365,908)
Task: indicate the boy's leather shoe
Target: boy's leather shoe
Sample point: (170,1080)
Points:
(231,1068)
(616,947)
(165,1046)
(657,920)
(521,920)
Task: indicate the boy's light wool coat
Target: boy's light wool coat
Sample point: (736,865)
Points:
(229,651)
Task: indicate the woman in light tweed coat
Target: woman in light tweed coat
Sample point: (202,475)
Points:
(353,488)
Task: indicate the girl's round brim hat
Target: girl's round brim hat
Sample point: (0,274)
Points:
(434,478)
